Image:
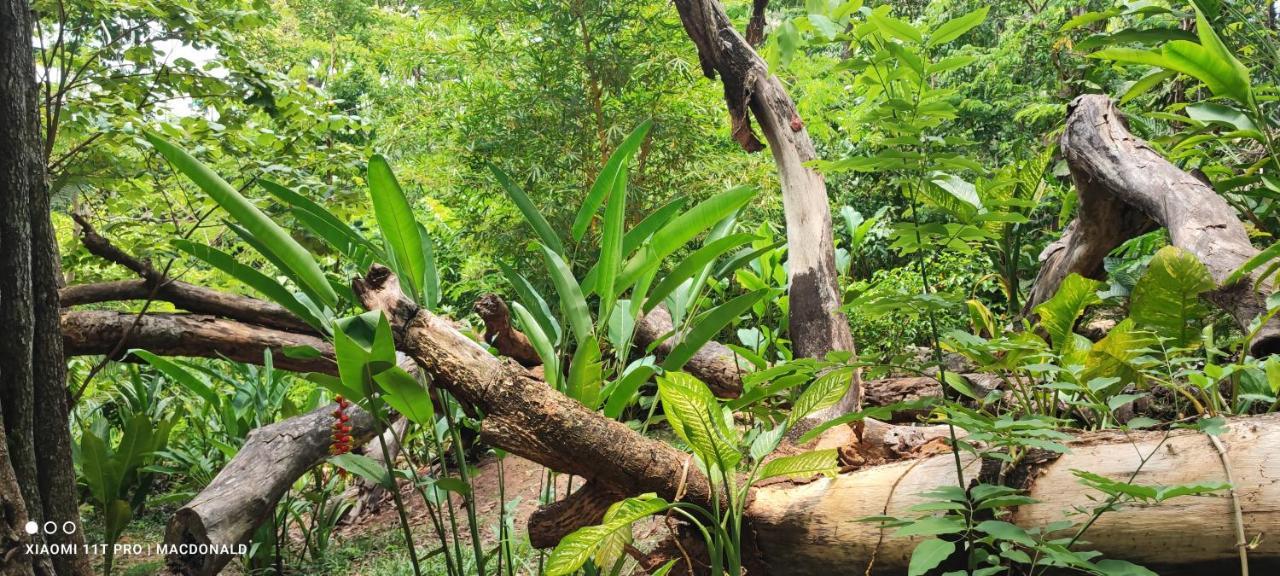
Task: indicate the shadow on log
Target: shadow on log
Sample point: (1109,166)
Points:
(1126,189)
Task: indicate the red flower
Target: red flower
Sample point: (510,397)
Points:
(341,429)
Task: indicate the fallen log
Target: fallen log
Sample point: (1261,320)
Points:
(187,297)
(1125,189)
(90,332)
(814,528)
(714,363)
(500,334)
(247,489)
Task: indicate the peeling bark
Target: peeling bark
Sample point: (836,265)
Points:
(1125,189)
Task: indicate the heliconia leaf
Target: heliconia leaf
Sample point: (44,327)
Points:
(533,301)
(694,264)
(572,303)
(708,325)
(252,278)
(605,180)
(955,27)
(585,374)
(541,344)
(1270,253)
(680,230)
(824,462)
(1058,314)
(535,219)
(1166,298)
(320,220)
(622,392)
(364,467)
(295,259)
(400,390)
(430,274)
(396,222)
(180,375)
(615,215)
(1146,83)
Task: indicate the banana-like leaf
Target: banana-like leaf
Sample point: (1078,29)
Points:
(400,390)
(430,274)
(572,303)
(615,215)
(708,325)
(252,278)
(177,373)
(364,467)
(1167,297)
(535,219)
(694,264)
(324,224)
(284,250)
(680,230)
(586,374)
(824,462)
(533,301)
(396,222)
(541,344)
(622,392)
(605,180)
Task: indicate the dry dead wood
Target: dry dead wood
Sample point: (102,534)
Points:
(1125,189)
(188,297)
(814,529)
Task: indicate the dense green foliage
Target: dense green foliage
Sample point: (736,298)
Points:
(571,156)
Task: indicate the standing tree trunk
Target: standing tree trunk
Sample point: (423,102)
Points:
(33,379)
(816,326)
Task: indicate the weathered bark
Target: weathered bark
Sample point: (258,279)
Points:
(191,298)
(1126,188)
(500,334)
(87,332)
(245,492)
(816,326)
(714,363)
(13,516)
(368,495)
(526,417)
(755,26)
(814,529)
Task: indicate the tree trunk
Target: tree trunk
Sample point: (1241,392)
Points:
(188,297)
(1126,188)
(13,517)
(814,528)
(246,491)
(714,363)
(33,379)
(816,326)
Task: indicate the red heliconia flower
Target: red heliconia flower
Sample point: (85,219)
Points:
(341,429)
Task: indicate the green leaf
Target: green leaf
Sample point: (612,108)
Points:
(402,391)
(430,274)
(1113,567)
(334,231)
(675,234)
(397,224)
(574,550)
(1116,355)
(572,303)
(297,262)
(364,467)
(1167,297)
(605,180)
(695,418)
(615,215)
(826,390)
(706,326)
(116,515)
(824,462)
(928,555)
(530,297)
(586,374)
(541,344)
(1006,531)
(954,28)
(252,278)
(177,373)
(535,219)
(622,392)
(1263,257)
(891,26)
(1058,315)
(694,264)
(932,526)
(1146,83)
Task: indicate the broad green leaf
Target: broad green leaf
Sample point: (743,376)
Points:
(894,27)
(116,515)
(400,390)
(706,326)
(364,347)
(535,219)
(252,278)
(615,216)
(586,374)
(541,344)
(1212,112)
(397,224)
(574,550)
(430,274)
(530,297)
(622,392)
(824,462)
(605,180)
(1146,36)
(1116,355)
(1006,531)
(572,303)
(297,262)
(954,28)
(177,373)
(1167,297)
(696,418)
(1146,83)
(1058,314)
(1263,257)
(928,555)
(680,230)
(364,467)
(826,390)
(693,264)
(932,526)
(100,470)
(321,221)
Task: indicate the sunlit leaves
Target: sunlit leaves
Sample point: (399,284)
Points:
(1167,297)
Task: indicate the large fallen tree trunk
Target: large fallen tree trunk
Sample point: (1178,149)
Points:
(814,528)
(86,332)
(1125,189)
(246,491)
(714,363)
(188,297)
